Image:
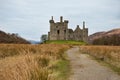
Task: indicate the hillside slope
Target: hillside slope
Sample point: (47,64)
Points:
(11,38)
(111,37)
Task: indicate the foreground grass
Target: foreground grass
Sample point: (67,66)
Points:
(62,69)
(110,55)
(66,42)
(33,62)
(113,67)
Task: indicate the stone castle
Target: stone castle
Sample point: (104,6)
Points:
(60,31)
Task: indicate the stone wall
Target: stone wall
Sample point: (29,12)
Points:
(60,31)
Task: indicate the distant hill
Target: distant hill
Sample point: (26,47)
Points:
(12,38)
(95,36)
(34,42)
(111,37)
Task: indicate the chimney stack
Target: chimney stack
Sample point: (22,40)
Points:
(83,24)
(61,19)
(52,17)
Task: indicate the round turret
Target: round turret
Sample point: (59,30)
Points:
(66,21)
(51,21)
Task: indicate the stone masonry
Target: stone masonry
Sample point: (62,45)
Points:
(60,31)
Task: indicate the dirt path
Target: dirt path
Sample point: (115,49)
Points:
(84,68)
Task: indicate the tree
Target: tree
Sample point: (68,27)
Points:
(44,37)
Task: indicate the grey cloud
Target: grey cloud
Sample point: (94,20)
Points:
(30,18)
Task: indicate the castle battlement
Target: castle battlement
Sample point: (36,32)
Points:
(60,31)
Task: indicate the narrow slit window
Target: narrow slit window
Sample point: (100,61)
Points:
(58,31)
(64,31)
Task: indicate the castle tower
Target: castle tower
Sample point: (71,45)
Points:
(85,32)
(58,30)
(51,24)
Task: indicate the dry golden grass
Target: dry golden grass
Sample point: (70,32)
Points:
(29,62)
(109,54)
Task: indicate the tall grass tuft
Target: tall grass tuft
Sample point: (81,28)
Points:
(29,62)
(108,54)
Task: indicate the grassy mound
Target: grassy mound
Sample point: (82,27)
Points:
(66,42)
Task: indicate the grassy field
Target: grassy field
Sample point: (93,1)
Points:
(33,62)
(107,54)
(48,61)
(66,42)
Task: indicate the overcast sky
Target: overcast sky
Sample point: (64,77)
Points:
(30,18)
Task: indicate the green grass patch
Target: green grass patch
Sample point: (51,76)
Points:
(62,69)
(66,42)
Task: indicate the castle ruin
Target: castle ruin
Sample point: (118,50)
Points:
(60,31)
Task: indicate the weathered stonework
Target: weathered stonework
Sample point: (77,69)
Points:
(60,31)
